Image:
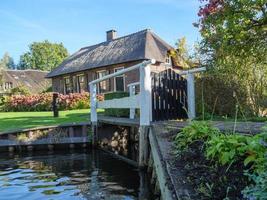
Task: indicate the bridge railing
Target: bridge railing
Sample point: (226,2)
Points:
(142,100)
(134,101)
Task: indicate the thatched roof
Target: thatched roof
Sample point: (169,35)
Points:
(137,46)
(33,80)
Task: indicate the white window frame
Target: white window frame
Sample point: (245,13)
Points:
(64,82)
(168,60)
(103,70)
(119,68)
(78,87)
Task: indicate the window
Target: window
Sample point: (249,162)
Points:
(103,85)
(80,83)
(119,80)
(8,85)
(67,87)
(168,60)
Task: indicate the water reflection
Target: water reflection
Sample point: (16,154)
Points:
(91,175)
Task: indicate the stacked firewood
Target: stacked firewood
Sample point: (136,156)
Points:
(118,143)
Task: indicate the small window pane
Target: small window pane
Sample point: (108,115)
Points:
(119,80)
(103,85)
(119,83)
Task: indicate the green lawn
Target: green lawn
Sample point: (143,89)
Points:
(19,120)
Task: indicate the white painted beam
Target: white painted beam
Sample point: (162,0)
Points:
(125,102)
(132,93)
(195,70)
(191,96)
(145,96)
(120,72)
(93,103)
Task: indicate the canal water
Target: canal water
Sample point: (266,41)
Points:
(67,175)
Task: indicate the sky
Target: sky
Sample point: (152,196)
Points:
(79,23)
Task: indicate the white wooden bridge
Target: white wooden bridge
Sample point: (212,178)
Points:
(142,100)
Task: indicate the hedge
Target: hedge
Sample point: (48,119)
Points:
(43,102)
(116,112)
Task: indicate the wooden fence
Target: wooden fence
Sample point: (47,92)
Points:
(169,96)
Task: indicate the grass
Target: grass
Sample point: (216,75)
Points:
(20,120)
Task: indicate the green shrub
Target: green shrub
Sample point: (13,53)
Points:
(217,92)
(116,112)
(228,149)
(20,90)
(231,148)
(197,130)
(257,190)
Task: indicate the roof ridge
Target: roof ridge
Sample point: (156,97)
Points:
(161,40)
(23,70)
(138,32)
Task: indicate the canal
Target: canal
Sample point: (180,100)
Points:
(68,175)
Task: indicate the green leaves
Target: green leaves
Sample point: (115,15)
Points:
(234,43)
(194,132)
(43,55)
(229,149)
(224,148)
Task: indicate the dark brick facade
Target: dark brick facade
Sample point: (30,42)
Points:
(58,82)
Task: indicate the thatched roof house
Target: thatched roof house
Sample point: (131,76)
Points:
(33,80)
(91,62)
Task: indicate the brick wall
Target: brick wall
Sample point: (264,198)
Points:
(129,77)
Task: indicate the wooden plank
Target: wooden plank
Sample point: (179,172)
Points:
(173,96)
(63,140)
(118,121)
(132,93)
(74,124)
(157,98)
(143,146)
(153,97)
(159,168)
(125,102)
(177,105)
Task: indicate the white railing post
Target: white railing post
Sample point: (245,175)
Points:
(191,96)
(145,96)
(93,100)
(145,112)
(132,92)
(93,106)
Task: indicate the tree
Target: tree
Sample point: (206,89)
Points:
(185,56)
(43,56)
(234,42)
(7,62)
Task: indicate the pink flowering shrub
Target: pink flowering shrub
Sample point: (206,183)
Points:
(43,102)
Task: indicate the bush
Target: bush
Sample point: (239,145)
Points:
(226,150)
(43,102)
(117,112)
(258,190)
(220,97)
(231,148)
(195,132)
(20,90)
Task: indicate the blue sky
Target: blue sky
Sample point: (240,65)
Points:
(78,23)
